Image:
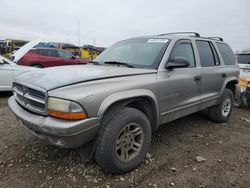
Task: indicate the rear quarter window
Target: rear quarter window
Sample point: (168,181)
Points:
(226,53)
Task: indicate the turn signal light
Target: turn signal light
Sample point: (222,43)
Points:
(68,115)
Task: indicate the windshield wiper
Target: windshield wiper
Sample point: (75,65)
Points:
(118,63)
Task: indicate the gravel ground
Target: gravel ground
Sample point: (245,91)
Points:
(190,152)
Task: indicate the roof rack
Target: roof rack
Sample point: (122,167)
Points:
(181,33)
(217,38)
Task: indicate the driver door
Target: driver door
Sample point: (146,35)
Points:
(6,76)
(179,88)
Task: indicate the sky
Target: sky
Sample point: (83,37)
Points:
(103,22)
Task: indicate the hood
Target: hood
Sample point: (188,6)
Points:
(24,49)
(20,69)
(56,77)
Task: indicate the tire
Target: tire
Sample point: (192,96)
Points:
(37,66)
(221,112)
(129,128)
(238,102)
(248,101)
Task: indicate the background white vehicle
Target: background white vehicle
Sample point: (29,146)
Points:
(9,69)
(244,63)
(243,60)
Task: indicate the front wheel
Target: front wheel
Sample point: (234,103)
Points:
(221,112)
(124,141)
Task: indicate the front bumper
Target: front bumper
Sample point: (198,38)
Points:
(59,132)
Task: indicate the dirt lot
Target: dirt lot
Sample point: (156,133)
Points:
(26,161)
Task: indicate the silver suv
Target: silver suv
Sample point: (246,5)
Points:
(116,102)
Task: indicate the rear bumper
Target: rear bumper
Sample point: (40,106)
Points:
(62,133)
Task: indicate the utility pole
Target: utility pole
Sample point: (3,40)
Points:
(78,33)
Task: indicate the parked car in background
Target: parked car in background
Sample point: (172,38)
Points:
(9,69)
(244,62)
(243,59)
(48,57)
(244,84)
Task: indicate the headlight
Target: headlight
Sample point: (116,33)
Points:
(65,109)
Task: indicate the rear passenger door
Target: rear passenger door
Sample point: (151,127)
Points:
(212,73)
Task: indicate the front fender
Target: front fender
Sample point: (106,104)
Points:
(124,95)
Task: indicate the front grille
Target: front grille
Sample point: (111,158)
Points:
(30,97)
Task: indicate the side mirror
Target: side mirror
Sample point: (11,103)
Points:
(73,57)
(178,62)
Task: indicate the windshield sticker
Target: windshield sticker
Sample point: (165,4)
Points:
(158,40)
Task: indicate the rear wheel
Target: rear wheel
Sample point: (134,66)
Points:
(221,112)
(248,101)
(124,141)
(238,102)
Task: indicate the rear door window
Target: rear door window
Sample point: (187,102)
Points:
(226,53)
(207,53)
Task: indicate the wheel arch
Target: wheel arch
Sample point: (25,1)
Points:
(230,83)
(143,100)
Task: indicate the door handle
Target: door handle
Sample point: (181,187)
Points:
(197,78)
(224,75)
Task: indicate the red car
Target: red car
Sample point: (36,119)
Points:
(49,57)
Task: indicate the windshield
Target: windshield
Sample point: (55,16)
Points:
(139,53)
